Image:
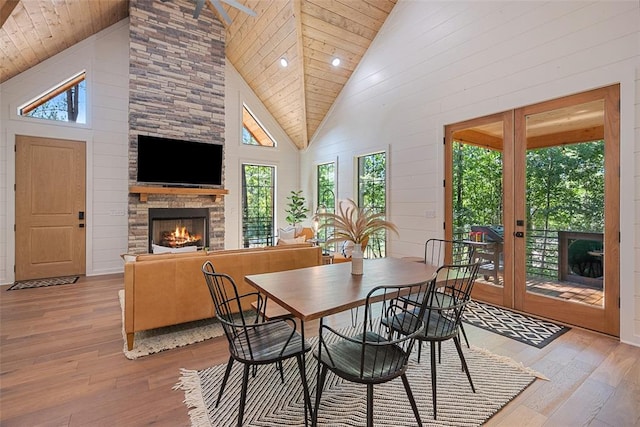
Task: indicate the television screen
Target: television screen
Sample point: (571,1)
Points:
(177,162)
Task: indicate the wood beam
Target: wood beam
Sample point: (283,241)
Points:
(297,16)
(473,137)
(6,9)
(568,137)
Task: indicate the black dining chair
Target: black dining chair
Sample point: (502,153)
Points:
(253,342)
(443,316)
(441,251)
(438,252)
(373,354)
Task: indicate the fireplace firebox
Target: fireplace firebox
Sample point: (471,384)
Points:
(178,227)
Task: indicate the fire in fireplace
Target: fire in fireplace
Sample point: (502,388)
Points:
(180,237)
(178,227)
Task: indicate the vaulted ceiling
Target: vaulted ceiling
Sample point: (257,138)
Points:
(308,33)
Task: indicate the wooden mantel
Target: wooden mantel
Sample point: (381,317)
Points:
(144,191)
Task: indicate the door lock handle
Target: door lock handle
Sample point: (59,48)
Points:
(519,234)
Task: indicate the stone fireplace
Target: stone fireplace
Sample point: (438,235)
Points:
(176,90)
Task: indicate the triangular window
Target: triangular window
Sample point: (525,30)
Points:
(252,132)
(65,102)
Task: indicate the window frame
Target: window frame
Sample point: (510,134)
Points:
(268,240)
(370,252)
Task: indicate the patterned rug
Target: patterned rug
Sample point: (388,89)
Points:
(270,403)
(41,283)
(161,339)
(520,327)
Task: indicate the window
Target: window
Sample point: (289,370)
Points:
(372,193)
(252,132)
(326,186)
(257,205)
(65,102)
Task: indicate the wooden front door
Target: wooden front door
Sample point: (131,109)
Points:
(50,206)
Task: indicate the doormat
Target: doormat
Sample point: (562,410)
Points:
(520,327)
(41,283)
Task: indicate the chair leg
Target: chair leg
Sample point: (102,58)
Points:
(433,378)
(305,389)
(323,375)
(419,350)
(224,380)
(456,340)
(279,367)
(243,394)
(412,400)
(464,334)
(369,405)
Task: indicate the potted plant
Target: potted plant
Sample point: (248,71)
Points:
(296,208)
(355,224)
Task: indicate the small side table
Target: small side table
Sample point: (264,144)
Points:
(327,259)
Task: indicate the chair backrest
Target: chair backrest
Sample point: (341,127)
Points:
(452,292)
(227,303)
(438,252)
(384,352)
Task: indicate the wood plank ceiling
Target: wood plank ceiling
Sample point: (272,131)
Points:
(308,33)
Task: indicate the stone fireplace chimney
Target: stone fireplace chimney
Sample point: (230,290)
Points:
(176,90)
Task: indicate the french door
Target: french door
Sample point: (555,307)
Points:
(545,179)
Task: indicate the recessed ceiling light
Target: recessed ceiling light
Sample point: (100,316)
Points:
(284,62)
(335,62)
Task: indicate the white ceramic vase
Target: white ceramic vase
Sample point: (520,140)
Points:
(357,260)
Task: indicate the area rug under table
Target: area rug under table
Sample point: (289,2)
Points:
(270,403)
(520,327)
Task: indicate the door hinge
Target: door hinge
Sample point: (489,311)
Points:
(444,182)
(618,302)
(619,237)
(14,228)
(444,140)
(444,225)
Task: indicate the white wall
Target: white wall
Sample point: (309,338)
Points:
(436,63)
(285,157)
(105,56)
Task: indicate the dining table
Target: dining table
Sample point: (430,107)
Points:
(316,292)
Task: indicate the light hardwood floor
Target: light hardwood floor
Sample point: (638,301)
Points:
(61,364)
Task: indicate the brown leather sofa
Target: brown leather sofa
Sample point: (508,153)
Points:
(168,289)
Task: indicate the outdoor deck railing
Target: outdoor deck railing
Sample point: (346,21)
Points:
(543,252)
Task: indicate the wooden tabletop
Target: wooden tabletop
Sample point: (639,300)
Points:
(315,292)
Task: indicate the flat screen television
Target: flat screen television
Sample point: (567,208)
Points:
(175,162)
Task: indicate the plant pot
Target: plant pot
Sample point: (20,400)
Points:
(357,260)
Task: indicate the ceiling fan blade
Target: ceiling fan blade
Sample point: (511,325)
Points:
(241,7)
(220,10)
(199,5)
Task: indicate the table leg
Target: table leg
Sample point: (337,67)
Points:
(314,421)
(308,412)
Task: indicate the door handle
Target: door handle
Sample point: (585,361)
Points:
(81,225)
(519,234)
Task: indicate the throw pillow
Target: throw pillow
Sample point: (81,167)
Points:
(293,241)
(287,233)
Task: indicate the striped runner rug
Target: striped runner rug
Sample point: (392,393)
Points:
(270,403)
